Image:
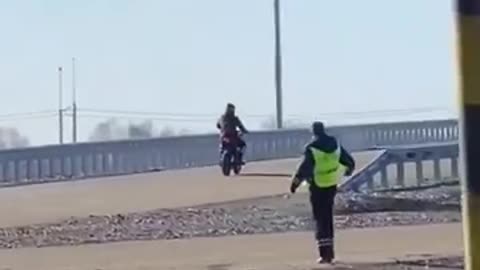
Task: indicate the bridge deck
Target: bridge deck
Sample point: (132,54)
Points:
(176,188)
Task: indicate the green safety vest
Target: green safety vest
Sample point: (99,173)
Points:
(328,169)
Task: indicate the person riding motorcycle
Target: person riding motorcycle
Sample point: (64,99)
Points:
(228,125)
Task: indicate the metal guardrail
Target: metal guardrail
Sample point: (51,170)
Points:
(376,175)
(83,160)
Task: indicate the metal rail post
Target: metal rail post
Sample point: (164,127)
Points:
(468,25)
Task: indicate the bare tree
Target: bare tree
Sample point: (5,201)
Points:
(11,138)
(140,131)
(167,132)
(111,129)
(108,130)
(295,124)
(271,123)
(184,131)
(103,131)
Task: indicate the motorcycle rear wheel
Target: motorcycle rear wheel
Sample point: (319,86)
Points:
(226,163)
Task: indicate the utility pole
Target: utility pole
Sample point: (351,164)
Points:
(60,106)
(278,65)
(74,104)
(468,27)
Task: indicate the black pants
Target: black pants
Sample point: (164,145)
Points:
(322,201)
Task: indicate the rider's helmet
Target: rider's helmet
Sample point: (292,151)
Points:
(230,109)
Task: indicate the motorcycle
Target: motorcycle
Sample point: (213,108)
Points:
(230,156)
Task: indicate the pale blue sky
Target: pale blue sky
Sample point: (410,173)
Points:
(193,56)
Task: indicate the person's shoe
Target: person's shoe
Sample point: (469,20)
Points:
(324,261)
(242,161)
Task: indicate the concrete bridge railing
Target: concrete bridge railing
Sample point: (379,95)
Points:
(83,160)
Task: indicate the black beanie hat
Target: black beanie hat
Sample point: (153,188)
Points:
(318,128)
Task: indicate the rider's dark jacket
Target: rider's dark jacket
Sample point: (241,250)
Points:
(228,124)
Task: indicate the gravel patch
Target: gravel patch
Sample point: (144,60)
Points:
(429,262)
(273,214)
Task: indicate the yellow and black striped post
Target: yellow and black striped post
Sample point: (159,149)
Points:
(468,25)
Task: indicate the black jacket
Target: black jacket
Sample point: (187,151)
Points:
(228,124)
(327,144)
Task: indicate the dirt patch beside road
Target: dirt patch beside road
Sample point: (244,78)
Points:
(273,214)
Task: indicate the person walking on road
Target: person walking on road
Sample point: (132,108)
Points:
(324,163)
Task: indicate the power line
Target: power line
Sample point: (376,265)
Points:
(26,114)
(164,114)
(28,117)
(191,116)
(194,117)
(165,119)
(379,112)
(359,115)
